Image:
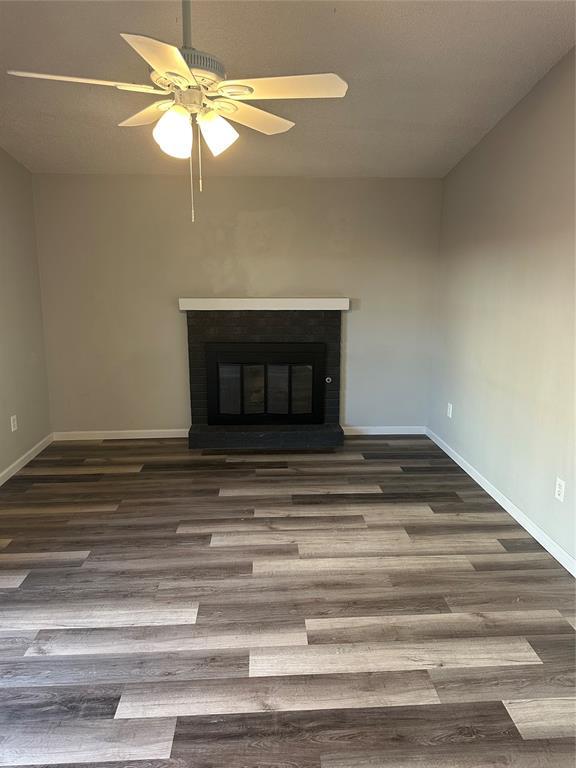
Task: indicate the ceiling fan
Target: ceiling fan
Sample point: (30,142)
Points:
(194,88)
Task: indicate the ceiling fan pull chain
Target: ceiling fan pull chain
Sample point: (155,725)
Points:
(191,189)
(199,158)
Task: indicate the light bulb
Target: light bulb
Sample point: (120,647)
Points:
(217,132)
(173,132)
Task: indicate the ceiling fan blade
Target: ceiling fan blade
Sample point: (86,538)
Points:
(148,115)
(326,86)
(252,117)
(164,58)
(66,79)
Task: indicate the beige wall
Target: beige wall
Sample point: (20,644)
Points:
(506,306)
(23,386)
(117,252)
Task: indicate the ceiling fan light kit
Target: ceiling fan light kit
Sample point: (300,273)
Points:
(173,132)
(193,86)
(216,132)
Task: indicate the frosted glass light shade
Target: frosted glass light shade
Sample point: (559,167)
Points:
(216,132)
(173,132)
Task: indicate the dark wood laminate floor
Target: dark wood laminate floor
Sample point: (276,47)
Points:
(371,607)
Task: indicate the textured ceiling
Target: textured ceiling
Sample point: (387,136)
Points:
(427,80)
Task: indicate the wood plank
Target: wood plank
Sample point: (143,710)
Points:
(571,618)
(157,640)
(522,545)
(12,579)
(42,559)
(364,629)
(544,718)
(289,489)
(176,560)
(85,741)
(377,510)
(121,669)
(507,581)
(374,545)
(22,509)
(214,612)
(468,521)
(507,752)
(391,536)
(513,599)
(15,642)
(319,469)
(378,657)
(542,681)
(333,522)
(19,705)
(502,529)
(515,560)
(555,649)
(98,613)
(406,496)
(270,738)
(108,469)
(294,457)
(277,694)
(290,566)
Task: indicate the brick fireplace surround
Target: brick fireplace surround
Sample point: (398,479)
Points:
(270,321)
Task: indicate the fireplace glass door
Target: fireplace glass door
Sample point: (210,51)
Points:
(265,383)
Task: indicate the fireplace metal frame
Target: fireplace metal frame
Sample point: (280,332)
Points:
(308,353)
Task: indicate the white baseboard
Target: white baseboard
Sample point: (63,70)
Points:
(551,546)
(350,430)
(120,434)
(17,465)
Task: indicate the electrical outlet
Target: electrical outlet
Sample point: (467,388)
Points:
(13,423)
(449,410)
(559,489)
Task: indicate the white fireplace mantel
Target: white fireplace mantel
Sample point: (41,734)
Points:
(263,304)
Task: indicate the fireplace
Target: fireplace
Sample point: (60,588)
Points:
(264,373)
(265,383)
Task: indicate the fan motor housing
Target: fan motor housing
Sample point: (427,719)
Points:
(205,67)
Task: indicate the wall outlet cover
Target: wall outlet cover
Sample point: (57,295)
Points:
(13,423)
(559,489)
